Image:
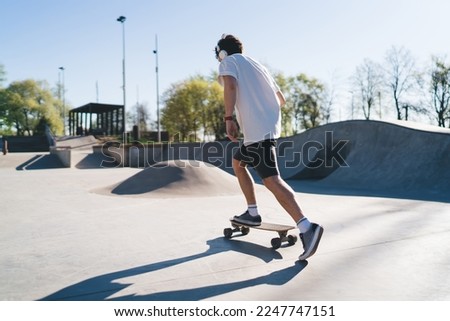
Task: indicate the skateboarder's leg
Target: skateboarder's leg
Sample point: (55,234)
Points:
(310,233)
(245,181)
(285,196)
(251,216)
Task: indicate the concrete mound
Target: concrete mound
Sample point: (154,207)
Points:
(177,178)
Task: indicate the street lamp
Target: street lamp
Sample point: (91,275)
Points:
(122,19)
(64,100)
(157,88)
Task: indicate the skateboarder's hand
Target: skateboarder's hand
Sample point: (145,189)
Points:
(232,130)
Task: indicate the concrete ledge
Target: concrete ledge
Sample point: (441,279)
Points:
(63,153)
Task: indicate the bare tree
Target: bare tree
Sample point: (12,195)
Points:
(367,81)
(329,98)
(140,116)
(440,90)
(401,78)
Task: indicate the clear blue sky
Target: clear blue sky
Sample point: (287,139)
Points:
(322,38)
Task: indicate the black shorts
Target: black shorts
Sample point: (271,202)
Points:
(261,156)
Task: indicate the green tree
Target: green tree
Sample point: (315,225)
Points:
(193,107)
(286,110)
(215,111)
(29,105)
(306,95)
(2,75)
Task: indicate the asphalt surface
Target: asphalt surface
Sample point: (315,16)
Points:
(91,233)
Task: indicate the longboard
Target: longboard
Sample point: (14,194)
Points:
(276,242)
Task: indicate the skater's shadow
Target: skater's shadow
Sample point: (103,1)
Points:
(104,286)
(279,277)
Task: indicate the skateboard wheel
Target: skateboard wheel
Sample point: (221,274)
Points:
(245,230)
(276,243)
(292,239)
(228,232)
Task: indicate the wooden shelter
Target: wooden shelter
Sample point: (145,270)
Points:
(97,119)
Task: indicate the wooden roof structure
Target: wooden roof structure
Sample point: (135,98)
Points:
(96,118)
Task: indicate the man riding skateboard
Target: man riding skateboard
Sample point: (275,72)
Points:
(253,95)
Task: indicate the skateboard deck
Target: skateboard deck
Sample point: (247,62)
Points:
(276,242)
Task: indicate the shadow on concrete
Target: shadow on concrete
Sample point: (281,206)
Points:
(94,161)
(104,286)
(149,180)
(275,278)
(41,162)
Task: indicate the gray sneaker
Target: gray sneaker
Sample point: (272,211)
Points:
(310,240)
(248,219)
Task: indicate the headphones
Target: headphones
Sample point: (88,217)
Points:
(220,53)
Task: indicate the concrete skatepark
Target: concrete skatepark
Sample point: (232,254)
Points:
(381,190)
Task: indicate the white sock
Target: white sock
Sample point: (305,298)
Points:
(304,225)
(253,210)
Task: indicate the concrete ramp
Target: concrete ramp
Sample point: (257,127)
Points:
(394,158)
(314,154)
(79,142)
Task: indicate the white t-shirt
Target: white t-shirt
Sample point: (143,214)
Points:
(257,105)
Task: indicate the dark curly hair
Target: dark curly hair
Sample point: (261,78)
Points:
(230,44)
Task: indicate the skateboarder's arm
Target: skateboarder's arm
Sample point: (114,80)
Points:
(281,98)
(229,97)
(230,90)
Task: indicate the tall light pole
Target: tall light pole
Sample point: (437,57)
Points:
(122,19)
(63,88)
(157,88)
